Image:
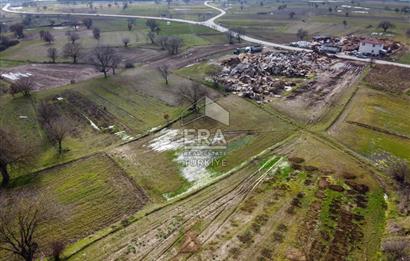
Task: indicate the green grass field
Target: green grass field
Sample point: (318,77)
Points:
(33,49)
(128,107)
(193,11)
(269,23)
(88,194)
(381,110)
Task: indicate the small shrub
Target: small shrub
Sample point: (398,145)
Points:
(278,237)
(296,202)
(129,65)
(57,248)
(246,237)
(267,253)
(282,228)
(125,222)
(235,252)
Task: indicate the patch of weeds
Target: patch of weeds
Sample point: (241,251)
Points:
(282,228)
(125,222)
(131,249)
(246,237)
(277,237)
(267,253)
(235,252)
(249,205)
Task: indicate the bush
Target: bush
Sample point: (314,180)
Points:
(129,65)
(400,171)
(57,248)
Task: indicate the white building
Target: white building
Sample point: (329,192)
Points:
(371,47)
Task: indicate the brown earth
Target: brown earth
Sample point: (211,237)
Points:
(310,102)
(193,55)
(397,82)
(47,76)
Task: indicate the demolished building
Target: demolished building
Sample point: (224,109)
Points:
(269,74)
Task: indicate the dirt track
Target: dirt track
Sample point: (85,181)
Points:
(47,76)
(193,55)
(154,237)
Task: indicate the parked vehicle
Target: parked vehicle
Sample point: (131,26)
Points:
(249,49)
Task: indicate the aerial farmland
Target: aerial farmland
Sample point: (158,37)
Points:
(216,130)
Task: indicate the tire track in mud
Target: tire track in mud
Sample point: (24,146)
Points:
(234,200)
(206,210)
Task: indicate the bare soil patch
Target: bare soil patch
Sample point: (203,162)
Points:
(312,100)
(193,55)
(389,78)
(47,76)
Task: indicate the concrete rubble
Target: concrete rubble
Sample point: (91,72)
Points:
(263,76)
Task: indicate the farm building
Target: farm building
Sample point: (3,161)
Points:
(371,47)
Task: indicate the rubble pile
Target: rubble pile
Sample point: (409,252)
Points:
(260,76)
(352,43)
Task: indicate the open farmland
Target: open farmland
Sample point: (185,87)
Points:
(217,137)
(376,124)
(243,222)
(90,194)
(192,11)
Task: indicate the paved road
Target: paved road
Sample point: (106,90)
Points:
(211,24)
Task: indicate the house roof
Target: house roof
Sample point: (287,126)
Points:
(372,41)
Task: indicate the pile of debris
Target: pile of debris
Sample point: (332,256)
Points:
(259,76)
(352,43)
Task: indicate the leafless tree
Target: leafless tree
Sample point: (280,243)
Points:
(193,94)
(58,129)
(22,214)
(230,35)
(18,30)
(72,50)
(301,34)
(173,44)
(46,113)
(48,37)
(152,25)
(73,36)
(3,28)
(125,41)
(164,71)
(130,24)
(162,42)
(18,226)
(41,33)
(238,32)
(115,63)
(23,85)
(88,22)
(96,33)
(151,37)
(102,58)
(385,25)
(52,53)
(13,152)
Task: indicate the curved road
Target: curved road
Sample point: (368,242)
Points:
(211,24)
